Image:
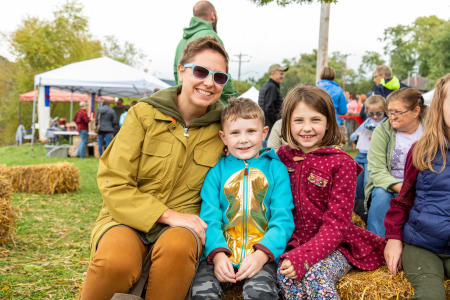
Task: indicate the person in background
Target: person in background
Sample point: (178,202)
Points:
(105,120)
(418,221)
(119,109)
(270,99)
(376,107)
(203,23)
(123,115)
(275,139)
(325,243)
(385,82)
(336,93)
(82,120)
(248,227)
(389,146)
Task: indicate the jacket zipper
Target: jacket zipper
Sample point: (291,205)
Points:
(245,204)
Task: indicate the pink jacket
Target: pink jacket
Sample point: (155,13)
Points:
(323,184)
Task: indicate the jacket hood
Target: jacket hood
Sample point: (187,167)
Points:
(195,26)
(328,83)
(166,102)
(391,84)
(265,152)
(331,87)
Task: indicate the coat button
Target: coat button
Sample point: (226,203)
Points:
(173,127)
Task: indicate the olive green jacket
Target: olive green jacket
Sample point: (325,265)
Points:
(151,166)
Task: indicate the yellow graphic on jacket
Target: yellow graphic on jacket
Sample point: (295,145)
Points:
(245,191)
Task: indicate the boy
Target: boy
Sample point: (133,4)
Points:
(246,203)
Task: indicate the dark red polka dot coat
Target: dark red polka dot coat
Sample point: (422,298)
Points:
(323,184)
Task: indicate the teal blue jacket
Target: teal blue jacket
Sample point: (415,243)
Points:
(247,206)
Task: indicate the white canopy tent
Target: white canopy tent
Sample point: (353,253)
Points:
(99,76)
(428,96)
(251,93)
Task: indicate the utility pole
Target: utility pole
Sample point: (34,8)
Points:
(322,52)
(240,60)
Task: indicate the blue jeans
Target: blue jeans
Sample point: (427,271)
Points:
(81,152)
(363,177)
(101,137)
(381,201)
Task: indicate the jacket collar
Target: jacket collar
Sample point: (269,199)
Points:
(265,152)
(274,82)
(166,102)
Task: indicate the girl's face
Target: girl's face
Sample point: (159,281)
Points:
(446,108)
(308,127)
(376,112)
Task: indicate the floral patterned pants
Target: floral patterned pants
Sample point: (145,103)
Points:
(319,281)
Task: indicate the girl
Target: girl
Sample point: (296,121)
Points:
(375,108)
(420,214)
(325,243)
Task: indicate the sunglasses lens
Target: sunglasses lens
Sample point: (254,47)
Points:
(220,78)
(200,72)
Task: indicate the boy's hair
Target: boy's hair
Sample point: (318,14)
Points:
(435,134)
(376,100)
(321,102)
(204,43)
(243,108)
(384,70)
(411,98)
(328,73)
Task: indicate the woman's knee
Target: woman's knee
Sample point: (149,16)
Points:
(176,242)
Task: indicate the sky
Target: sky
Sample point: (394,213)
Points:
(266,35)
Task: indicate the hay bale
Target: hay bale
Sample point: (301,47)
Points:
(44,179)
(7,214)
(358,221)
(377,284)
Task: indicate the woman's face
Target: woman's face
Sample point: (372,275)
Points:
(200,93)
(401,117)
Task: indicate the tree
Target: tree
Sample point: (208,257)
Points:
(126,52)
(286,2)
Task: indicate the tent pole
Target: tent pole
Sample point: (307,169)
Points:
(71,106)
(20,112)
(33,120)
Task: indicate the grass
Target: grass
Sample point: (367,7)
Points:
(51,251)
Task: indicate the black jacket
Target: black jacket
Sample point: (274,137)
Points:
(270,100)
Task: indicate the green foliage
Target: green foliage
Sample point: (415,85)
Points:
(126,52)
(287,2)
(369,62)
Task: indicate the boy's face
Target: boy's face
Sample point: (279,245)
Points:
(243,137)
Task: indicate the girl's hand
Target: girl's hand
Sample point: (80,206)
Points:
(287,269)
(251,265)
(392,255)
(223,269)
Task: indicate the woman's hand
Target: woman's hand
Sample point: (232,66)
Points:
(392,255)
(223,268)
(396,187)
(174,218)
(287,269)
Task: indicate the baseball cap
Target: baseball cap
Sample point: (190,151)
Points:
(82,103)
(277,67)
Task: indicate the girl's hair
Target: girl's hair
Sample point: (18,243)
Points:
(328,73)
(376,100)
(435,136)
(321,102)
(411,98)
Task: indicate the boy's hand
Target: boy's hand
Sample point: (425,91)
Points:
(223,268)
(251,265)
(287,269)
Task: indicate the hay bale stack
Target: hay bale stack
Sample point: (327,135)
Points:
(7,214)
(44,179)
(377,284)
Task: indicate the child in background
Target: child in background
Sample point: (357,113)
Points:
(325,243)
(420,215)
(246,203)
(375,108)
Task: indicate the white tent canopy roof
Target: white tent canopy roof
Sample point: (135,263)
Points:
(252,93)
(103,76)
(428,96)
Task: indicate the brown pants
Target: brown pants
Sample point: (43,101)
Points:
(117,264)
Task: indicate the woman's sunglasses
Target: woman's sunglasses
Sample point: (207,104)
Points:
(201,72)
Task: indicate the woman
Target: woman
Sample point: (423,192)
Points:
(387,153)
(150,179)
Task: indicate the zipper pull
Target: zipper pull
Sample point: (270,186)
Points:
(246,168)
(186,134)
